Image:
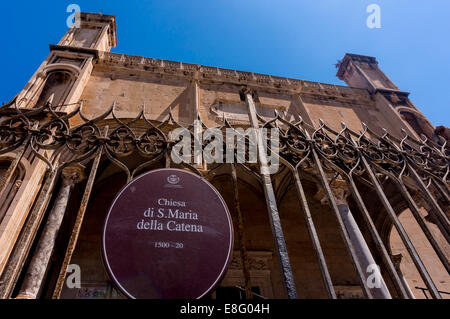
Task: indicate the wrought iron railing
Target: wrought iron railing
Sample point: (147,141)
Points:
(357,158)
(424,290)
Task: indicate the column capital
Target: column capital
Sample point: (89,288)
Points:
(246,90)
(396,260)
(339,189)
(73,174)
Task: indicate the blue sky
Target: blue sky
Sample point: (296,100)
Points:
(299,38)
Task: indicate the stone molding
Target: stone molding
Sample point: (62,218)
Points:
(215,74)
(257,260)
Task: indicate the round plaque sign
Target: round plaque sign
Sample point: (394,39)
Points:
(167,235)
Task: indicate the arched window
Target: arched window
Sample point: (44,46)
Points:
(54,83)
(58,85)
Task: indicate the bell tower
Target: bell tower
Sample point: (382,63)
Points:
(96,31)
(363,72)
(59,81)
(61,78)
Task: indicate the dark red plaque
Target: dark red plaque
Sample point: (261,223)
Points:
(167,235)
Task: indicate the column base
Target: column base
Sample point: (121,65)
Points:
(25,296)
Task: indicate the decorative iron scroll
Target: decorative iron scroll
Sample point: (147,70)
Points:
(365,156)
(50,130)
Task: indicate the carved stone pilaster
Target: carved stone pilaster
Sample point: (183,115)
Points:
(38,266)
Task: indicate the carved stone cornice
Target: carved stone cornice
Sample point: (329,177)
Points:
(65,48)
(395,97)
(252,80)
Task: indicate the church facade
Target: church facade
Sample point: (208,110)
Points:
(358,207)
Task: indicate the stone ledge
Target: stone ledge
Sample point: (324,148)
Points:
(215,74)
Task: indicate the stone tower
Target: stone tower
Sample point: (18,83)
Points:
(363,72)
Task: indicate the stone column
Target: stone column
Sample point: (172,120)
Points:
(364,256)
(363,253)
(39,263)
(397,259)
